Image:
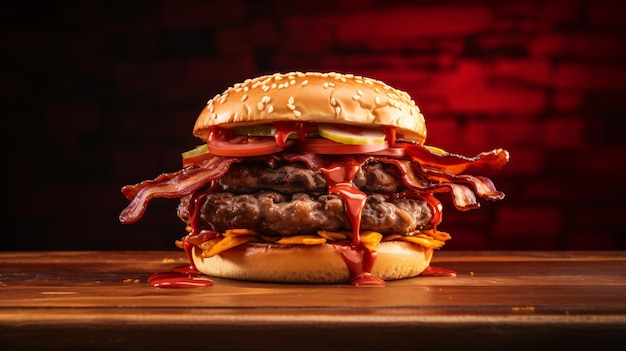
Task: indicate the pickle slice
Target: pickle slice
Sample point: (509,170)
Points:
(255,130)
(351,134)
(198,150)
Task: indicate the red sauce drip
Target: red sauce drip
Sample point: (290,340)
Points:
(186,276)
(217,132)
(390,132)
(285,129)
(360,260)
(435,208)
(339,176)
(431,271)
(360,263)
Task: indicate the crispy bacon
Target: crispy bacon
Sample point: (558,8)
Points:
(425,172)
(313,161)
(453,163)
(462,196)
(172,185)
(483,186)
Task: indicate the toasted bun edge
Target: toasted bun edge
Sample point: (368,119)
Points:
(310,264)
(313,97)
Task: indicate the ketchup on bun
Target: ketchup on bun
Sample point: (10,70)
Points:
(314,178)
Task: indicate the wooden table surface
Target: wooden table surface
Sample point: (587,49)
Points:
(512,300)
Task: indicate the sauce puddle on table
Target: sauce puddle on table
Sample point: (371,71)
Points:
(180,277)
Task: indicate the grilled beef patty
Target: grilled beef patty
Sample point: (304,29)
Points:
(291,200)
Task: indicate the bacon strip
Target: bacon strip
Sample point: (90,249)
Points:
(462,196)
(483,186)
(172,185)
(426,172)
(453,163)
(313,161)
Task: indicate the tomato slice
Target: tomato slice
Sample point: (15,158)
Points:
(329,147)
(245,146)
(390,151)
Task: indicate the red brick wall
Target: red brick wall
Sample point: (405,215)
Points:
(97,95)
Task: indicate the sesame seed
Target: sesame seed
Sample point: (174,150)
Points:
(291,100)
(377,100)
(291,106)
(331,84)
(304,82)
(260,106)
(356,97)
(246,88)
(343,79)
(359,92)
(244,98)
(265,99)
(292,82)
(333,102)
(270,109)
(325,85)
(266,88)
(274,85)
(278,77)
(337,110)
(297,113)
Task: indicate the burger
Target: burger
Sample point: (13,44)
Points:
(314,178)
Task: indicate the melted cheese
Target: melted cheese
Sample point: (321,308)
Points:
(301,240)
(370,239)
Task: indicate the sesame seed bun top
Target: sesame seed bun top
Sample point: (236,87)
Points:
(313,97)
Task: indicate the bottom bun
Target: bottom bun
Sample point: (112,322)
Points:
(310,264)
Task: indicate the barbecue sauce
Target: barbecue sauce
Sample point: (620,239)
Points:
(431,271)
(186,276)
(179,279)
(359,259)
(285,129)
(435,209)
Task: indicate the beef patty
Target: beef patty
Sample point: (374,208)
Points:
(291,200)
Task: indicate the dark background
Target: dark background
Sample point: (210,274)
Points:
(99,94)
